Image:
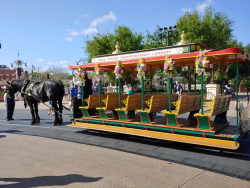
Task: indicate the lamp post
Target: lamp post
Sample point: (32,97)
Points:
(51,73)
(167,33)
(18,67)
(82,59)
(32,70)
(212,79)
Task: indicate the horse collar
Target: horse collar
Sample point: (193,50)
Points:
(26,82)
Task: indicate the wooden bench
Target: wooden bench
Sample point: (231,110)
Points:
(92,103)
(217,107)
(156,103)
(132,102)
(111,102)
(190,103)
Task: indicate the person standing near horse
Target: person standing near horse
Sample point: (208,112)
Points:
(10,105)
(74,91)
(66,91)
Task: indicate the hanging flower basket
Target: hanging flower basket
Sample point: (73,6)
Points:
(98,72)
(118,70)
(169,67)
(80,74)
(141,69)
(201,63)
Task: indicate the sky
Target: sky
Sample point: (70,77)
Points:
(51,32)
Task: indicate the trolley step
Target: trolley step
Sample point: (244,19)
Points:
(226,144)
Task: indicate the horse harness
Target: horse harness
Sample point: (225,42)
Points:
(30,89)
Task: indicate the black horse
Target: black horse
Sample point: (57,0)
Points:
(33,93)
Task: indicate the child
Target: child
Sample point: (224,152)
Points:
(129,90)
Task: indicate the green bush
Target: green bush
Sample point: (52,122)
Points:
(2,94)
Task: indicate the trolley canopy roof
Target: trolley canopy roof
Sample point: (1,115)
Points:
(184,55)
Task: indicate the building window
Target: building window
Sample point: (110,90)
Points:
(7,77)
(13,76)
(1,77)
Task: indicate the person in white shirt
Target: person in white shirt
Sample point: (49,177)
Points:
(10,105)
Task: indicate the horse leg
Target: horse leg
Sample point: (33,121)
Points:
(32,112)
(54,105)
(36,112)
(60,110)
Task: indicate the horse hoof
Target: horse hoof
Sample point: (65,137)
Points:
(32,123)
(37,120)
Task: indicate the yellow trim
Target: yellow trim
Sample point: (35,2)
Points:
(118,109)
(204,115)
(126,102)
(149,102)
(141,111)
(87,100)
(177,104)
(159,135)
(80,107)
(103,108)
(210,105)
(167,112)
(105,101)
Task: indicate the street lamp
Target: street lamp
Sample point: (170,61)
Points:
(167,32)
(18,67)
(83,60)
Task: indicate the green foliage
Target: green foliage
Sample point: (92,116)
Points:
(181,80)
(211,28)
(104,43)
(4,91)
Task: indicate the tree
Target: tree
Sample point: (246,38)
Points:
(104,43)
(211,28)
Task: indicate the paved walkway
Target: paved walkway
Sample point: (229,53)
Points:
(28,161)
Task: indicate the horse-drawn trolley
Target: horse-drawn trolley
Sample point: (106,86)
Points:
(207,122)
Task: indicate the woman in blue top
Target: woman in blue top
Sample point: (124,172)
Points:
(129,90)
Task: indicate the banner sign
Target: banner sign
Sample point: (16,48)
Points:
(147,54)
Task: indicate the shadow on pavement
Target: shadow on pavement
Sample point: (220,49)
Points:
(11,131)
(2,136)
(48,181)
(242,153)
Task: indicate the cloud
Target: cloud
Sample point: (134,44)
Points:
(73,33)
(40,60)
(69,39)
(85,16)
(65,66)
(89,31)
(201,7)
(76,22)
(103,19)
(58,63)
(186,9)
